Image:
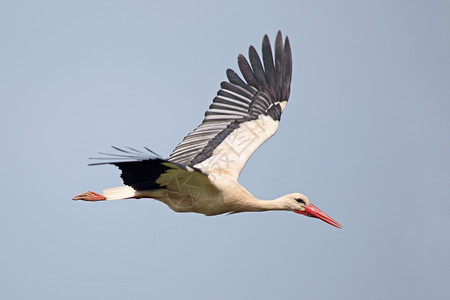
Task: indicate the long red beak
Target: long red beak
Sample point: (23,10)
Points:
(312,211)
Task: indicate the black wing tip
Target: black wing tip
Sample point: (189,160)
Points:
(279,36)
(252,50)
(287,48)
(266,46)
(230,72)
(272,75)
(275,77)
(286,41)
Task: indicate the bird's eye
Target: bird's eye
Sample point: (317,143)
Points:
(300,200)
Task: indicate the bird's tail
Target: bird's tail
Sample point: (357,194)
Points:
(121,192)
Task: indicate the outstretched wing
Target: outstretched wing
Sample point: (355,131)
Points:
(243,115)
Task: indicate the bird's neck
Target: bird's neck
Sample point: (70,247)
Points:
(238,199)
(254,204)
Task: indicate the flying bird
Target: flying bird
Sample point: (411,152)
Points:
(201,174)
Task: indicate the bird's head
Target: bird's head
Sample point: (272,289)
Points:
(300,204)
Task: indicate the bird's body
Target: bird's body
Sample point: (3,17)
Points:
(201,173)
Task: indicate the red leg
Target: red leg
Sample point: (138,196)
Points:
(90,196)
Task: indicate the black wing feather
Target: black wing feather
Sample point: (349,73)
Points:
(287,68)
(246,71)
(268,65)
(258,69)
(278,66)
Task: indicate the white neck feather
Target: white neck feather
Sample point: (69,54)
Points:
(254,204)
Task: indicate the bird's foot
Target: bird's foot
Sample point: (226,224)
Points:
(90,196)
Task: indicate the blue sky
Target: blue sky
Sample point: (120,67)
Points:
(365,136)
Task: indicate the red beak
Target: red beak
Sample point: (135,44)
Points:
(312,211)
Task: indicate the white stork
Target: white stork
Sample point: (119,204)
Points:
(201,174)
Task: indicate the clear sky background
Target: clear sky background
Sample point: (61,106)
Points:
(366,136)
